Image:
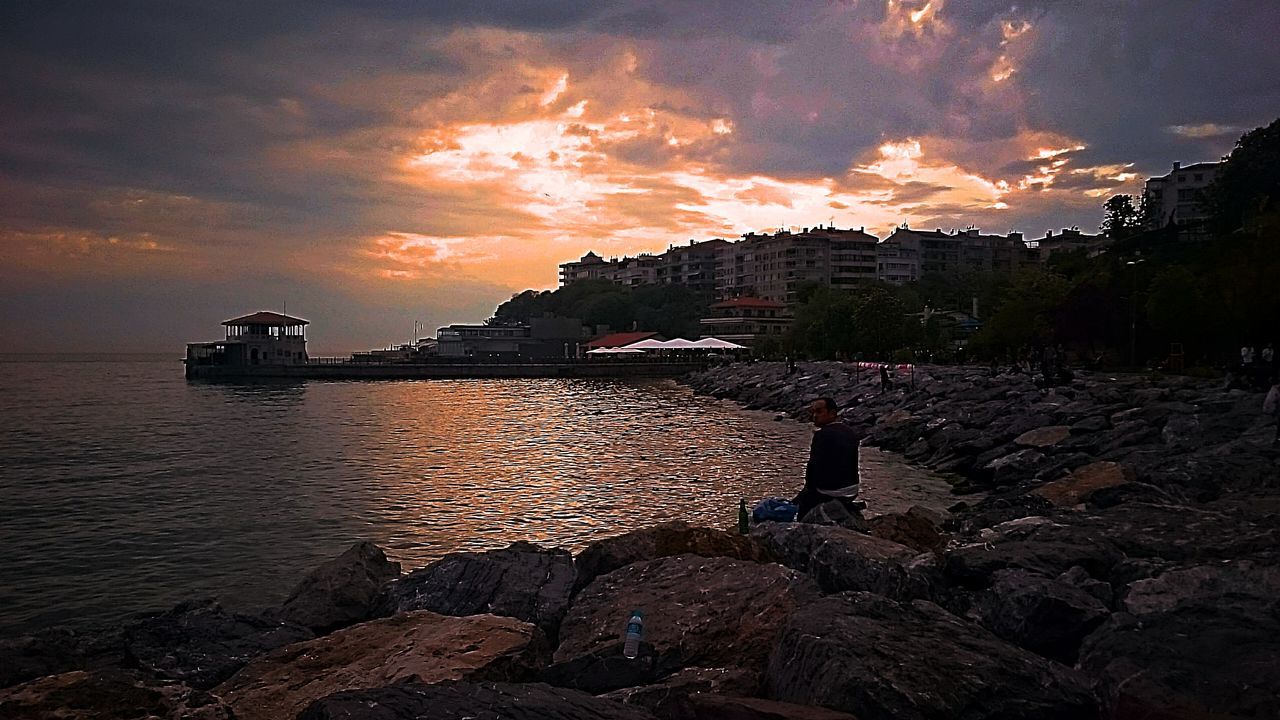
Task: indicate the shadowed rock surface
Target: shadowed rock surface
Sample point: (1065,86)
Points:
(523,581)
(341,591)
(703,612)
(108,694)
(676,696)
(878,659)
(1044,615)
(467,701)
(202,644)
(1199,641)
(419,646)
(58,650)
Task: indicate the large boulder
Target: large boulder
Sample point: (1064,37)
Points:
(840,559)
(114,694)
(918,528)
(469,701)
(419,646)
(1047,616)
(1037,544)
(342,591)
(1204,646)
(201,644)
(523,581)
(876,658)
(58,650)
(1084,481)
(663,540)
(703,612)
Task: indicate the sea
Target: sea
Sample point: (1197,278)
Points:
(125,488)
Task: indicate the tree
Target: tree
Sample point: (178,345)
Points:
(1120,218)
(1247,183)
(1176,306)
(1025,315)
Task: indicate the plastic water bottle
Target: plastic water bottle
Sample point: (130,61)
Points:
(635,628)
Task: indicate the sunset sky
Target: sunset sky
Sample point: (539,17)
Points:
(167,165)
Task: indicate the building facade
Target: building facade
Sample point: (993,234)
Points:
(1176,198)
(746,320)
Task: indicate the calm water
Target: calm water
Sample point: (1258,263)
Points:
(125,488)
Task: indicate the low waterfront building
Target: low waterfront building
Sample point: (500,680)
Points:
(541,338)
(746,320)
(261,338)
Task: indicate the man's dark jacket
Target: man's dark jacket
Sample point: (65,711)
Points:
(833,458)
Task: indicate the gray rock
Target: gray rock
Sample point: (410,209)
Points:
(469,701)
(342,591)
(201,644)
(522,581)
(876,658)
(1046,616)
(1182,432)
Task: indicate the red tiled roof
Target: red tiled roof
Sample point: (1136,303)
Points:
(265,317)
(619,339)
(749,302)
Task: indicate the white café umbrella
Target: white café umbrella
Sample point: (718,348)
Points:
(718,344)
(649,344)
(679,344)
(614,351)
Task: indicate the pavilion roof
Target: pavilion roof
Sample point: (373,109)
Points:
(266,317)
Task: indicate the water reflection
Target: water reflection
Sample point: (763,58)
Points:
(126,488)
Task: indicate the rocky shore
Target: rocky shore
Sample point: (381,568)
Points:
(1121,561)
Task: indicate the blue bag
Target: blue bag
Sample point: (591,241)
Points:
(775,509)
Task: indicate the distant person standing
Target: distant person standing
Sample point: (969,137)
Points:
(885,383)
(832,470)
(1268,355)
(1246,355)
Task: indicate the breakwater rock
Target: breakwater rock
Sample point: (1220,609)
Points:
(1122,560)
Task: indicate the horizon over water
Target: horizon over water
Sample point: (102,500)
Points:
(127,488)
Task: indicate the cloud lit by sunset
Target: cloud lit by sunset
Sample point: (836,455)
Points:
(425,161)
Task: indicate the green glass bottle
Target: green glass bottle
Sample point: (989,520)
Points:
(744,521)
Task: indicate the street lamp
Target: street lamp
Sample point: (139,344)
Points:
(1133,312)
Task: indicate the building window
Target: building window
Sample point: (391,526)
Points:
(1199,177)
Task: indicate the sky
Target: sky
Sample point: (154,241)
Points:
(168,165)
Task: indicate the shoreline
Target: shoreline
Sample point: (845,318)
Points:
(1129,527)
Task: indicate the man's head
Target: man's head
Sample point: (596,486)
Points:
(824,411)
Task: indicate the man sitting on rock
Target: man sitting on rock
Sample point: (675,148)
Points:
(832,472)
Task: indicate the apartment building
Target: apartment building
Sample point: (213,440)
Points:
(1175,198)
(1069,240)
(907,254)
